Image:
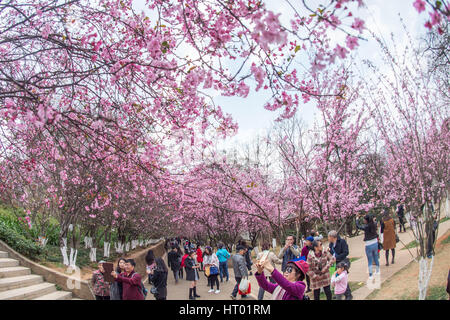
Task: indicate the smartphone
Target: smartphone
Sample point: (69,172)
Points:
(264,256)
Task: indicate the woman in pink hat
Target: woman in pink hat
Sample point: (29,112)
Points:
(289,285)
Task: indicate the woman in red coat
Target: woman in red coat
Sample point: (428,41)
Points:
(200,257)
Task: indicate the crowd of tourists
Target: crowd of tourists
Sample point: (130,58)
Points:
(310,267)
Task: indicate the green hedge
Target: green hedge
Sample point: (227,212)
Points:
(19,243)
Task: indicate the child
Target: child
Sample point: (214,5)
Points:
(339,280)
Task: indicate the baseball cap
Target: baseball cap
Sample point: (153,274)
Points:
(301,264)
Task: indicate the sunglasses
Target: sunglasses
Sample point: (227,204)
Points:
(289,269)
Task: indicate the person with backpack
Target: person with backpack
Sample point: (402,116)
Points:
(133,289)
(192,274)
(240,269)
(339,249)
(223,255)
(289,252)
(287,286)
(371,243)
(157,276)
(174,262)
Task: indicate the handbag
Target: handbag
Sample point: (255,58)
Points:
(244,287)
(207,271)
(154,290)
(213,270)
(380,245)
(397,239)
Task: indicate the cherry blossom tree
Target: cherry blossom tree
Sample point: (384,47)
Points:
(411,116)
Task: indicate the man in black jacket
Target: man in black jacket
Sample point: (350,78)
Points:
(174,262)
(339,249)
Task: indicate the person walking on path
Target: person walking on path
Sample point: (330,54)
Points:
(158,277)
(212,263)
(174,262)
(401,217)
(192,274)
(287,286)
(388,231)
(248,260)
(304,255)
(289,252)
(339,250)
(319,262)
(340,280)
(181,256)
(223,255)
(273,259)
(199,257)
(131,280)
(99,285)
(240,269)
(371,243)
(116,288)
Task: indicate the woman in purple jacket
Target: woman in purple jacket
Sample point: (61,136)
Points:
(288,286)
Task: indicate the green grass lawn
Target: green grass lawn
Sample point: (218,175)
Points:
(411,245)
(444,219)
(446,240)
(437,293)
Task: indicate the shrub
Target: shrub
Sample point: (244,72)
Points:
(19,243)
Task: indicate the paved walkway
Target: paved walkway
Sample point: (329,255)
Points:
(358,272)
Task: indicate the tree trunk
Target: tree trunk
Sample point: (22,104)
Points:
(425,269)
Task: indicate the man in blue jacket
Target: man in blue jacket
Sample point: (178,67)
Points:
(339,249)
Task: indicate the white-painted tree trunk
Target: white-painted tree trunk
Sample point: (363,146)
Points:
(73,257)
(141,243)
(88,242)
(119,247)
(106,249)
(425,268)
(127,247)
(93,254)
(64,255)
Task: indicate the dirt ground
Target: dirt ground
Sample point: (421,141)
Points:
(404,284)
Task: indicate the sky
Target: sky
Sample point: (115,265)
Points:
(380,16)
